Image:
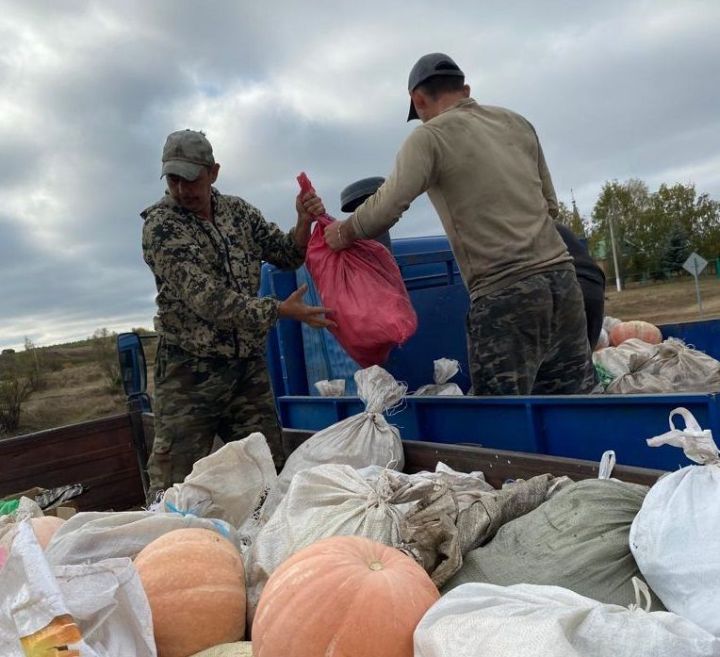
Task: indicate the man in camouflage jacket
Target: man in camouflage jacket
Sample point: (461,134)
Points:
(205,250)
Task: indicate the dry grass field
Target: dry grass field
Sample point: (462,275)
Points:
(74,394)
(664,303)
(75,389)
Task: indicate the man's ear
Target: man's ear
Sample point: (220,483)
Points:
(419,99)
(214,170)
(466,91)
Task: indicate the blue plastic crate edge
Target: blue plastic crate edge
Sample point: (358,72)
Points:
(582,426)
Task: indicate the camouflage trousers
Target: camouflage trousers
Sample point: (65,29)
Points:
(531,338)
(199,398)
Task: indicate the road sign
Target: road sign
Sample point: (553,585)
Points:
(695,264)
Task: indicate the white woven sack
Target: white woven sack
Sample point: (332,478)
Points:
(93,536)
(360,441)
(331,500)
(9,523)
(444,369)
(105,600)
(675,538)
(230,484)
(485,620)
(333,388)
(610,322)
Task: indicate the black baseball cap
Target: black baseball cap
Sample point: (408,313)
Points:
(428,66)
(355,193)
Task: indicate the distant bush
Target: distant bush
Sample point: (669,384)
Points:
(18,378)
(105,355)
(53,361)
(33,365)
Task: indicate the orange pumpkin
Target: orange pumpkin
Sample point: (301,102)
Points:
(45,528)
(195,583)
(343,596)
(635,329)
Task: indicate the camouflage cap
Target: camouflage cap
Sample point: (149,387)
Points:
(186,153)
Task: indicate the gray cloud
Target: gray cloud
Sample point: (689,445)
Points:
(90,89)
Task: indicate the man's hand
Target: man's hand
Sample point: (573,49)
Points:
(339,235)
(309,206)
(295,308)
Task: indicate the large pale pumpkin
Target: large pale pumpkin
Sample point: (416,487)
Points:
(342,597)
(635,329)
(239,649)
(45,528)
(195,583)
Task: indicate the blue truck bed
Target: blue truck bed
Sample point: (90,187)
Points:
(572,426)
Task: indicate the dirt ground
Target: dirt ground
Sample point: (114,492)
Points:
(664,303)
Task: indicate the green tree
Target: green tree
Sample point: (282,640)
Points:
(571,218)
(683,213)
(578,225)
(705,236)
(653,230)
(629,202)
(677,249)
(564,214)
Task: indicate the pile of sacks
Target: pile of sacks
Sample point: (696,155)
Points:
(541,566)
(567,579)
(88,586)
(647,364)
(671,366)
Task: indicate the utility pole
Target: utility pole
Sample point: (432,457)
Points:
(612,214)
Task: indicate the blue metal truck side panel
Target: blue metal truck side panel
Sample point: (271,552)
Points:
(582,426)
(573,426)
(703,335)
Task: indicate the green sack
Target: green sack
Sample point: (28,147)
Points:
(578,539)
(8,507)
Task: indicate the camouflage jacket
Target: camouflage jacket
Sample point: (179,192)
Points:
(208,274)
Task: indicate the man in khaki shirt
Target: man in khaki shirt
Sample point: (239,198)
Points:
(485,173)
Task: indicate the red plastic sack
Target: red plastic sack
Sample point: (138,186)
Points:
(364,287)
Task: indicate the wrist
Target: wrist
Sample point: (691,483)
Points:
(302,232)
(349,233)
(283,311)
(339,231)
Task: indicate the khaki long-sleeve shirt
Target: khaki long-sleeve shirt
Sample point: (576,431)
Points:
(485,173)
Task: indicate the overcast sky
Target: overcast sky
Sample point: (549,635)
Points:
(89,91)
